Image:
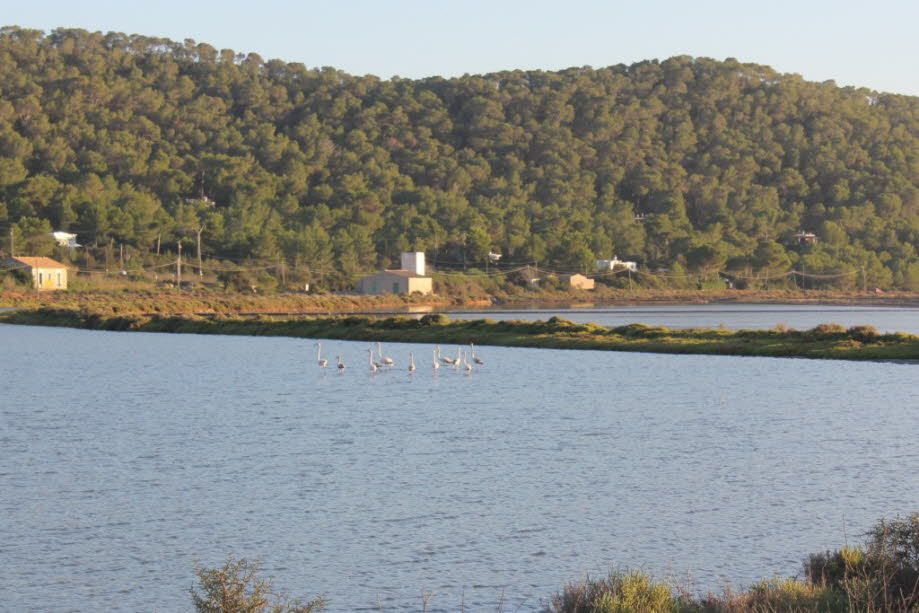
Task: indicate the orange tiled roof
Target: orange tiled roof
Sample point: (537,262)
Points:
(39,262)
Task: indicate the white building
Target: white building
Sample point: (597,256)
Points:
(413,261)
(605,265)
(46,274)
(410,278)
(65,239)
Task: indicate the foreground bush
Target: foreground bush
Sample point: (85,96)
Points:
(620,592)
(237,588)
(880,576)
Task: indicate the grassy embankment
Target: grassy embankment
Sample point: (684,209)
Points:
(827,341)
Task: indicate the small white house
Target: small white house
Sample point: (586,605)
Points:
(65,239)
(578,281)
(395,282)
(407,280)
(616,263)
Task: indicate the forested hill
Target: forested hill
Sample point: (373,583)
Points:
(690,164)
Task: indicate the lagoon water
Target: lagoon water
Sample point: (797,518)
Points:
(730,316)
(128,458)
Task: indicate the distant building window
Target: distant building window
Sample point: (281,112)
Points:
(395,288)
(41,279)
(59,279)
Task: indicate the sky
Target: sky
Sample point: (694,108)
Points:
(854,43)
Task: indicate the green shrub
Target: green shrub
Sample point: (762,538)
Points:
(434,319)
(864,334)
(237,588)
(827,331)
(620,592)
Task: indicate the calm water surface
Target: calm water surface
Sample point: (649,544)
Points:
(730,316)
(129,457)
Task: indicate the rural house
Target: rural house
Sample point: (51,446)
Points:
(577,281)
(46,273)
(408,279)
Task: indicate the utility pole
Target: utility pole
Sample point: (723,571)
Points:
(158,236)
(179,267)
(200,269)
(121,257)
(12,244)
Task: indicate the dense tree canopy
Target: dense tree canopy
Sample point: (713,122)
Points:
(688,162)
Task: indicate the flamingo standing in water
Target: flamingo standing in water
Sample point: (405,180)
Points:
(448,361)
(466,365)
(411,364)
(322,363)
(435,365)
(341,365)
(478,361)
(385,361)
(373,367)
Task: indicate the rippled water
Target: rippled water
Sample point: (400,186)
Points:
(129,457)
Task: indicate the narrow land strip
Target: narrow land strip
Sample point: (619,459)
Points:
(826,341)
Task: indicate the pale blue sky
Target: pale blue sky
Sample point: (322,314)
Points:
(872,44)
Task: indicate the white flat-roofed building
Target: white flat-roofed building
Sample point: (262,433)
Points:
(395,282)
(605,265)
(578,281)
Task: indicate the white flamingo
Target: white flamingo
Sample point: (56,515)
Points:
(466,365)
(448,361)
(341,365)
(385,361)
(411,364)
(322,363)
(478,361)
(435,365)
(373,366)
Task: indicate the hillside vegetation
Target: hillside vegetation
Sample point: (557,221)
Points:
(689,164)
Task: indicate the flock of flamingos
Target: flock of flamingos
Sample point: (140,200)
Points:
(460,362)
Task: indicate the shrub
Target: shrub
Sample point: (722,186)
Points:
(620,592)
(237,588)
(864,334)
(434,319)
(883,575)
(787,595)
(827,331)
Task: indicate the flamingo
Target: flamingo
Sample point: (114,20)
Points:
(411,364)
(373,367)
(341,365)
(478,361)
(434,365)
(322,363)
(443,359)
(466,365)
(386,361)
